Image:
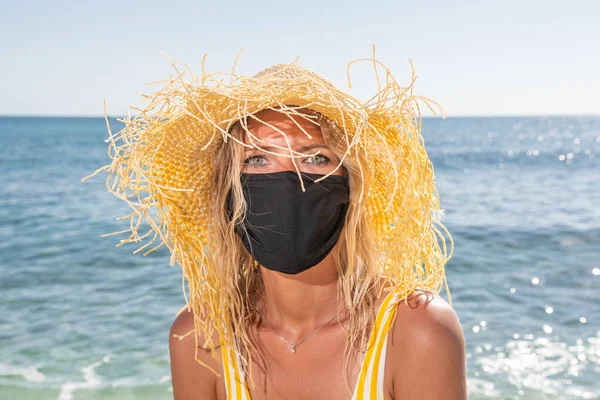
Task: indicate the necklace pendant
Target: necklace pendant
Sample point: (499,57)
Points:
(293,349)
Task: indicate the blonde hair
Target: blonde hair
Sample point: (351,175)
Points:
(163,166)
(359,280)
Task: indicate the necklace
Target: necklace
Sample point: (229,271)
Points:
(294,345)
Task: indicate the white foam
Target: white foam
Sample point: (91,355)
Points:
(30,374)
(90,381)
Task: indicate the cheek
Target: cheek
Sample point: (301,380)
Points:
(341,171)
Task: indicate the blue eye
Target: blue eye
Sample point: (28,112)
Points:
(319,159)
(256,161)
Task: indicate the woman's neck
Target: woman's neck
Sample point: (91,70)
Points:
(297,303)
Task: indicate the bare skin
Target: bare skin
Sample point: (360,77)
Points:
(426,351)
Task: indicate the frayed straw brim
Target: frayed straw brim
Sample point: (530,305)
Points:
(162,163)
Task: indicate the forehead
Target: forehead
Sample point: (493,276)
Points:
(270,124)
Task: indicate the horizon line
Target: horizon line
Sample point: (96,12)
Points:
(83,116)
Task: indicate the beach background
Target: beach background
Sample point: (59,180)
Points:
(82,319)
(517,166)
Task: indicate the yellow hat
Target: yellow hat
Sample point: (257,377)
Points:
(163,166)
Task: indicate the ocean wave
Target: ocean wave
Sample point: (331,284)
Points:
(540,366)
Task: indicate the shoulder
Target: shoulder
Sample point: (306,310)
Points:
(191,379)
(427,349)
(426,316)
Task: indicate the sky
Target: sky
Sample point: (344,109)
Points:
(475,58)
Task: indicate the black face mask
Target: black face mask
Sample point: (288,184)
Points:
(287,230)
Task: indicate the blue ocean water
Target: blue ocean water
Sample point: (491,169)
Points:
(83,319)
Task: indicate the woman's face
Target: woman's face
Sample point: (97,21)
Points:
(259,162)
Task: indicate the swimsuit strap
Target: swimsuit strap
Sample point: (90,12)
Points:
(370,381)
(235,381)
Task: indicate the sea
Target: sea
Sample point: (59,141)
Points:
(83,319)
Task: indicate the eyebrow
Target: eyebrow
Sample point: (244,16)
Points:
(301,149)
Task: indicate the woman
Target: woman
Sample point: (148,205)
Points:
(303,220)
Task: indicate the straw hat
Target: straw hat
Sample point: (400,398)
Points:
(163,164)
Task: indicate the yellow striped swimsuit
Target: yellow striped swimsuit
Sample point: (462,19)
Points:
(370,381)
